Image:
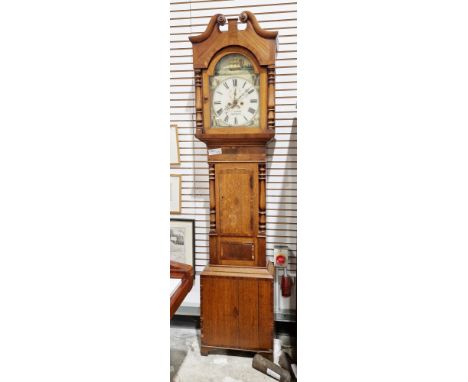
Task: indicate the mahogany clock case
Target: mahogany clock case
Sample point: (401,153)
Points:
(237,286)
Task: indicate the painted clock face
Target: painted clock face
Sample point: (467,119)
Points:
(235,102)
(234,92)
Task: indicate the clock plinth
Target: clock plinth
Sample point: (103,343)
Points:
(235,117)
(236,310)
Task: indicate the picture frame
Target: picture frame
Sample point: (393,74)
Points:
(182,241)
(176,194)
(174,148)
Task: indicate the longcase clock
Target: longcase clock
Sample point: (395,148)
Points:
(235,117)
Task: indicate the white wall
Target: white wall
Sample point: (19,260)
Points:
(190,18)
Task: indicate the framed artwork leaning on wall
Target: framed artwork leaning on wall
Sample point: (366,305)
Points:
(182,241)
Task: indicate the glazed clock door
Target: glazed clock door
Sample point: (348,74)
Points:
(237,212)
(234,94)
(234,88)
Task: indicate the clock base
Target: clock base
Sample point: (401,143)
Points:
(205,351)
(237,308)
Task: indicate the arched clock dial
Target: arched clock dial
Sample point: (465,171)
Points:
(235,103)
(234,93)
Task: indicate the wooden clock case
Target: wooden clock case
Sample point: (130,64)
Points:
(237,286)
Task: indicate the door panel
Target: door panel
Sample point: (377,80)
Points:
(220,311)
(265,314)
(237,198)
(248,313)
(237,250)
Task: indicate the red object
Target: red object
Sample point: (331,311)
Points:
(286,285)
(280,259)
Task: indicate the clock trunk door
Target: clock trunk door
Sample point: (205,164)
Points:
(237,212)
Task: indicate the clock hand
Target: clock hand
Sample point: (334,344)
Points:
(228,106)
(236,100)
(242,95)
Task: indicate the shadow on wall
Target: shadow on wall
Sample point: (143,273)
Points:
(286,194)
(286,219)
(200,192)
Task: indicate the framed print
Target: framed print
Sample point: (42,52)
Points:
(183,241)
(175,153)
(176,193)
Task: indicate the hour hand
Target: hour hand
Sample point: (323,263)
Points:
(235,101)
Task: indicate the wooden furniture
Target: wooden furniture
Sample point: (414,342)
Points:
(184,273)
(236,309)
(235,117)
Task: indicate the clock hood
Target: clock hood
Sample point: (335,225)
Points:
(260,42)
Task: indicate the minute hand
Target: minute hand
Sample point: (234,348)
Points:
(238,98)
